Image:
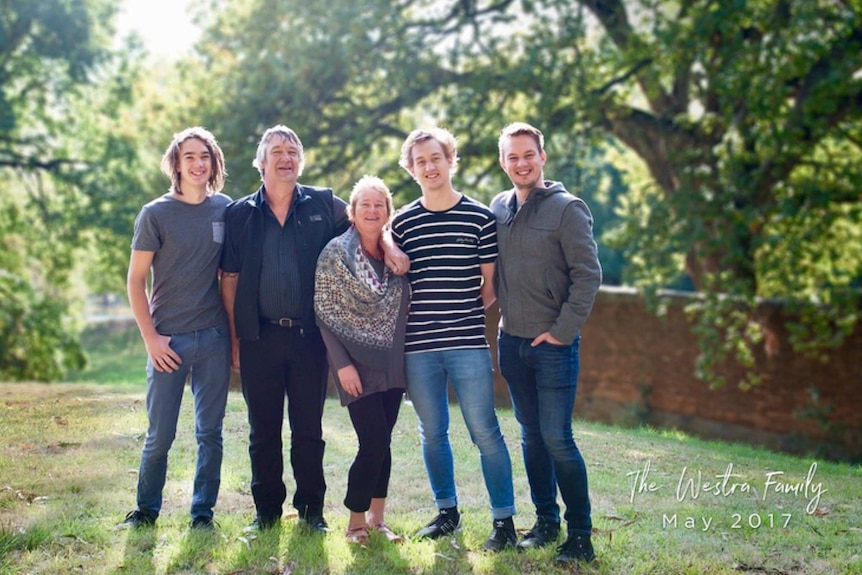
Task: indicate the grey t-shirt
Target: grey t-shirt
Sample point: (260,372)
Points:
(187,240)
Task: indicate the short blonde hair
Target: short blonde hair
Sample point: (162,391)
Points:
(367,182)
(445,137)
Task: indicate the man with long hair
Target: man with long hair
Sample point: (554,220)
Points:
(178,238)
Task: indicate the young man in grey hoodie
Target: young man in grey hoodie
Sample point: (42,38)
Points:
(546,279)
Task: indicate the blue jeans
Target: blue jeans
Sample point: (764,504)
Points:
(206,353)
(469,370)
(542,382)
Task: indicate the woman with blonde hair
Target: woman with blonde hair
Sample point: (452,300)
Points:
(361,309)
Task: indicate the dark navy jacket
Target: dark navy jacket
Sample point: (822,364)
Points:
(320,217)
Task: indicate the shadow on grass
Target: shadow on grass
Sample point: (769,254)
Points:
(306,550)
(138,552)
(377,555)
(258,549)
(450,555)
(195,550)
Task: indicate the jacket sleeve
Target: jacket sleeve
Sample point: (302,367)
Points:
(585,272)
(339,215)
(230,259)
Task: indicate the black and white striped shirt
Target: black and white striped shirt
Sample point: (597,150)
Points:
(446,249)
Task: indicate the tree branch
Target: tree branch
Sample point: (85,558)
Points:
(818,108)
(612,15)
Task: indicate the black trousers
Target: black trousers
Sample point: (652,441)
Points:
(373,419)
(285,362)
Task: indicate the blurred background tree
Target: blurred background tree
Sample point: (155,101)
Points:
(717,143)
(739,121)
(61,91)
(46,52)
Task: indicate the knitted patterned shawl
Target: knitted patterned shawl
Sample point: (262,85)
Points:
(351,300)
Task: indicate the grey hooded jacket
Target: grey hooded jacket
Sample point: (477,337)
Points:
(548,270)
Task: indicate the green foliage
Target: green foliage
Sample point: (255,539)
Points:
(37,333)
(115,354)
(757,182)
(37,340)
(68,168)
(743,116)
(48,49)
(739,121)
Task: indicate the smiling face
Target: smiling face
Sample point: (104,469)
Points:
(195,165)
(282,163)
(370,211)
(523,161)
(431,168)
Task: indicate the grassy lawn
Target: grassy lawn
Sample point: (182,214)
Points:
(69,455)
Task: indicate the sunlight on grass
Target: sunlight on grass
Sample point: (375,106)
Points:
(663,502)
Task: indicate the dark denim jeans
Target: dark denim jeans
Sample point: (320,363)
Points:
(206,353)
(542,382)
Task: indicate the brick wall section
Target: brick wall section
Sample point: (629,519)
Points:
(637,368)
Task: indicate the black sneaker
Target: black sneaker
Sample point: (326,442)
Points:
(503,536)
(203,523)
(447,521)
(139,518)
(543,533)
(576,548)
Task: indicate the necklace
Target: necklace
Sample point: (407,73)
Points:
(371,255)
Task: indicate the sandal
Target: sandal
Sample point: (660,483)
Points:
(390,535)
(357,534)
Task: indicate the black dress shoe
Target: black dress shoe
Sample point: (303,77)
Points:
(261,523)
(316,523)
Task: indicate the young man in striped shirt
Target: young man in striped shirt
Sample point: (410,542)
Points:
(452,244)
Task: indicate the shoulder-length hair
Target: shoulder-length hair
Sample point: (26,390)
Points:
(171,159)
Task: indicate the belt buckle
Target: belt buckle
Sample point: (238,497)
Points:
(287,322)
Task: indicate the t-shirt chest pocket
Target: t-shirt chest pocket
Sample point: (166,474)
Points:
(218,232)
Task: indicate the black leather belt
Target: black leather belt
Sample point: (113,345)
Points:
(286,322)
